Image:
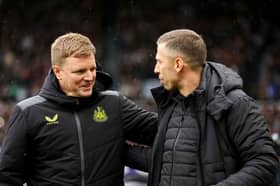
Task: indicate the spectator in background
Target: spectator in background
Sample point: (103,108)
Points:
(71,133)
(210,132)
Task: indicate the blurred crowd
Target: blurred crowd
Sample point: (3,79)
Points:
(242,36)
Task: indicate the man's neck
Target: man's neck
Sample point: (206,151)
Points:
(190,81)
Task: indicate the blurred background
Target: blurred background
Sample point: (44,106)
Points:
(242,34)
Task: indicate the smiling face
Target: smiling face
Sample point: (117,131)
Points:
(165,68)
(77,75)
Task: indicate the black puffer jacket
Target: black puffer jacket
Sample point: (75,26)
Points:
(234,146)
(53,139)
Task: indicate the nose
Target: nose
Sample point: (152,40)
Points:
(156,70)
(90,75)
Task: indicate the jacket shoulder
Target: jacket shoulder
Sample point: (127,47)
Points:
(30,102)
(237,95)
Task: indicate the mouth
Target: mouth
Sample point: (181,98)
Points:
(161,82)
(87,87)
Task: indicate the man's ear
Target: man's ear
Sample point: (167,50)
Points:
(56,71)
(179,64)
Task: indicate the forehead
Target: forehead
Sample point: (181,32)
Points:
(161,47)
(76,63)
(164,52)
(79,60)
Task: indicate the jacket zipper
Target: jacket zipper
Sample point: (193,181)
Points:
(174,147)
(199,162)
(82,155)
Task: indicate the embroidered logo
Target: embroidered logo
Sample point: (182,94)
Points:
(99,115)
(53,120)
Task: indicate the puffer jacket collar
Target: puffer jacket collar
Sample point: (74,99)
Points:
(221,80)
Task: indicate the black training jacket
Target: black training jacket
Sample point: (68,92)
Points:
(52,139)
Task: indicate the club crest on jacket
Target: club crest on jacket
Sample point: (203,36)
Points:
(99,114)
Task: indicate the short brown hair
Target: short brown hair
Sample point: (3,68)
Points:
(186,42)
(70,44)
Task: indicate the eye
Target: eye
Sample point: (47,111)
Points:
(81,71)
(93,69)
(158,62)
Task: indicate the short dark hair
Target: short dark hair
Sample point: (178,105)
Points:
(186,42)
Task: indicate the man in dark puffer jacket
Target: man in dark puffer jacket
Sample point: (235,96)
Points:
(210,132)
(70,133)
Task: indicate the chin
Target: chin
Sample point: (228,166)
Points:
(86,94)
(166,87)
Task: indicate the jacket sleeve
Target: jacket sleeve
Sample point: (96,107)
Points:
(13,151)
(247,128)
(139,125)
(138,156)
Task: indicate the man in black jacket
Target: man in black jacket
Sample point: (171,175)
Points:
(210,132)
(70,133)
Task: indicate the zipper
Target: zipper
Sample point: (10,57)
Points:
(199,162)
(174,147)
(82,155)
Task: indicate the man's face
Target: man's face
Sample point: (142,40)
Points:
(165,68)
(77,76)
